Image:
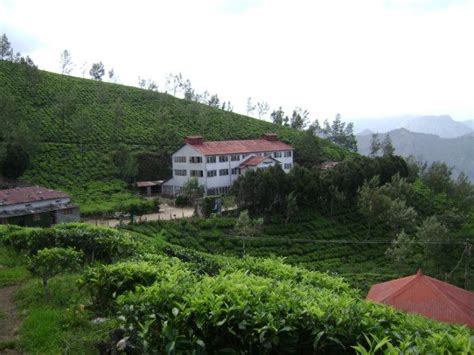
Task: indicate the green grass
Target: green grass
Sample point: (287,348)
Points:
(14,275)
(61,324)
(75,156)
(12,268)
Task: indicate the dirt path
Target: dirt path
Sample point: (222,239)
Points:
(9,319)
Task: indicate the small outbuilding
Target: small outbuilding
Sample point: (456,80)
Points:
(426,296)
(36,206)
(149,188)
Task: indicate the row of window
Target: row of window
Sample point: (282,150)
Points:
(225,158)
(210,173)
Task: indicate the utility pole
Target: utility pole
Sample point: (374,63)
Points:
(467,263)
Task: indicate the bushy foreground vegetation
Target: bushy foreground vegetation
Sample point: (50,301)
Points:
(172,300)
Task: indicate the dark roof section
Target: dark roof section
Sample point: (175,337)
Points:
(28,194)
(427,296)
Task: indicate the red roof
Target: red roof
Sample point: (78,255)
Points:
(240,146)
(427,296)
(255,160)
(28,194)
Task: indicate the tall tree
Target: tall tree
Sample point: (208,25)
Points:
(375,145)
(299,119)
(437,177)
(6,50)
(341,133)
(250,106)
(97,71)
(278,116)
(372,203)
(66,62)
(387,146)
(262,108)
(214,101)
(403,252)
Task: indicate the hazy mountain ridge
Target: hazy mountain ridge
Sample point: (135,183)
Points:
(456,152)
(443,126)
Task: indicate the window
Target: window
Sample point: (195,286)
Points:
(267,154)
(211,173)
(288,166)
(179,172)
(235,157)
(180,159)
(288,153)
(211,159)
(235,171)
(67,211)
(36,217)
(197,173)
(277,154)
(223,172)
(223,158)
(195,160)
(28,205)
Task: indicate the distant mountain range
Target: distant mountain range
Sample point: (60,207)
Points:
(456,152)
(443,126)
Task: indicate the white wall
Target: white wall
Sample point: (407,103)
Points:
(216,181)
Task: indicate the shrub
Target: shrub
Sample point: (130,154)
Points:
(97,243)
(107,282)
(237,310)
(48,263)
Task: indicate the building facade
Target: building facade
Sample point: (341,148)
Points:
(217,164)
(36,206)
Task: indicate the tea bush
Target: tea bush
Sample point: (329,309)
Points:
(97,243)
(106,282)
(255,314)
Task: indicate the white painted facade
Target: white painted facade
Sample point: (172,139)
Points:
(218,171)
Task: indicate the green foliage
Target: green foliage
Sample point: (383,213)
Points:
(97,243)
(263,314)
(246,226)
(191,190)
(106,282)
(78,140)
(437,177)
(340,133)
(62,325)
(15,162)
(50,262)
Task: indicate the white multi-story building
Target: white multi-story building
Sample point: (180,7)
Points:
(217,164)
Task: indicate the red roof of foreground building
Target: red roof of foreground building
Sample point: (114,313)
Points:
(269,143)
(28,194)
(427,296)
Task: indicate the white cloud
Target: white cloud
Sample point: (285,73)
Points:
(359,58)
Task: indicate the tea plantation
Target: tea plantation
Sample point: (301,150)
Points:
(80,123)
(143,296)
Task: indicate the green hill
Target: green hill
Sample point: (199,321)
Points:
(81,123)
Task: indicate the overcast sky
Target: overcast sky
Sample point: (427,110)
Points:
(365,58)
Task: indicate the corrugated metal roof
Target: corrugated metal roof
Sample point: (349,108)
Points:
(148,183)
(240,146)
(28,194)
(427,296)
